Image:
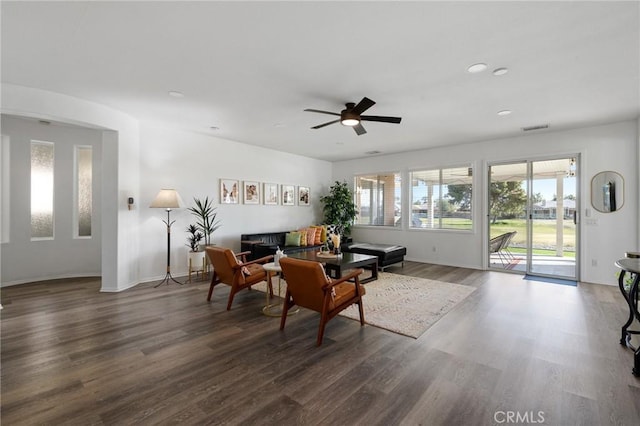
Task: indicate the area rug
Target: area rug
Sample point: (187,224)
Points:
(401,304)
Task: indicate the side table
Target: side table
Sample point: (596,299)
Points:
(274,310)
(630,266)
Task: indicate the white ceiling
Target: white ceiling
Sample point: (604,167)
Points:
(251,68)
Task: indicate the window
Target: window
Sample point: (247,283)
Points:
(441,198)
(378,199)
(41,190)
(83,190)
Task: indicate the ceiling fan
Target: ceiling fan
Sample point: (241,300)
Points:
(351,116)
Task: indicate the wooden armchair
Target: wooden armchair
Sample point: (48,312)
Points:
(238,274)
(309,287)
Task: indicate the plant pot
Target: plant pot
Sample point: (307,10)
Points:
(195,261)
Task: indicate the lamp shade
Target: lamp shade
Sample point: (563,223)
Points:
(167,199)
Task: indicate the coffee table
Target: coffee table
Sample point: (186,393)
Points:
(334,266)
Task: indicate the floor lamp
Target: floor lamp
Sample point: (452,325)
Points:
(168,199)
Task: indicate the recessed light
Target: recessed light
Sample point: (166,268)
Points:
(504,112)
(176,94)
(500,71)
(214,128)
(279,125)
(475,68)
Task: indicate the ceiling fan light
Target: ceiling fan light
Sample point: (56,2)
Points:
(350,122)
(349,118)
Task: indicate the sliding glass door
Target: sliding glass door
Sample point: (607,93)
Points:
(533,209)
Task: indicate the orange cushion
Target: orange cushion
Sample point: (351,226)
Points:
(257,273)
(317,235)
(342,293)
(311,236)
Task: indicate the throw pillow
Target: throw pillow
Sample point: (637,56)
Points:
(311,236)
(332,229)
(323,233)
(303,237)
(292,239)
(317,233)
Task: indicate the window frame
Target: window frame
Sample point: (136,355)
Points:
(398,173)
(440,169)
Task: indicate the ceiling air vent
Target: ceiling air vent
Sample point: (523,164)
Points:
(538,127)
(373,152)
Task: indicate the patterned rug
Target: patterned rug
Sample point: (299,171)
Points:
(402,304)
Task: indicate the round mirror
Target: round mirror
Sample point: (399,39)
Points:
(607,192)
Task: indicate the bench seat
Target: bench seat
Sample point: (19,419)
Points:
(387,254)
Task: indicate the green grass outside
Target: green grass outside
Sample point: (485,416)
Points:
(544,233)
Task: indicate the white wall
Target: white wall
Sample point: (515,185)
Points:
(120,167)
(133,248)
(609,147)
(64,256)
(193,165)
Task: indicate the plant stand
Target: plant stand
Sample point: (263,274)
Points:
(197,263)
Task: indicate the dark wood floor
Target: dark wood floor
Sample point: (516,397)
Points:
(72,355)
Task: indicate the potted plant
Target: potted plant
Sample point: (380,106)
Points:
(195,257)
(206,214)
(194,238)
(339,208)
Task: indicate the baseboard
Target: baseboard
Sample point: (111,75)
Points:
(49,278)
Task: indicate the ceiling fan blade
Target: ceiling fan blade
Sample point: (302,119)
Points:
(322,112)
(325,124)
(381,118)
(363,105)
(359,129)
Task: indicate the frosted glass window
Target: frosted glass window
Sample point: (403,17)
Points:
(41,190)
(84,195)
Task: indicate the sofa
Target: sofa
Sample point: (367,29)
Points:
(267,243)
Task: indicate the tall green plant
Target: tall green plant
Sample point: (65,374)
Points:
(206,214)
(339,208)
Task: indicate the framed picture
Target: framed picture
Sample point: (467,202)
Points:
(270,191)
(288,195)
(251,192)
(303,196)
(229,191)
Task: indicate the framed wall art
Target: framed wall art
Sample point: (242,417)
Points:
(288,195)
(270,191)
(251,192)
(229,191)
(303,196)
